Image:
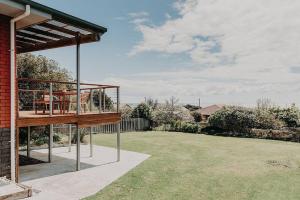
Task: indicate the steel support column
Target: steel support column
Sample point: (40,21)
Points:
(70,137)
(118,143)
(91,142)
(78,100)
(51,125)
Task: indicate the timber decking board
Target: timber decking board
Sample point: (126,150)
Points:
(83,120)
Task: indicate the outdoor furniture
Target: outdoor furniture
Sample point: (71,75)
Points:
(84,97)
(44,103)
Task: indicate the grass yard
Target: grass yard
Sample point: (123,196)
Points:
(187,166)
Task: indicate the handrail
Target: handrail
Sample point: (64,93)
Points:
(32,93)
(65,82)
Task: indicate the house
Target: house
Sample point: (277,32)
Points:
(209,110)
(27,26)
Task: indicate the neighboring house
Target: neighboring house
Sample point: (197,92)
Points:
(26,26)
(208,111)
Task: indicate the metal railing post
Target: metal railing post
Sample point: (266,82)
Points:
(118,99)
(104,100)
(100,100)
(51,99)
(91,100)
(34,100)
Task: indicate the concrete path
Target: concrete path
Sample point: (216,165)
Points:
(57,180)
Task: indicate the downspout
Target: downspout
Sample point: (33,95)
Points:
(13,90)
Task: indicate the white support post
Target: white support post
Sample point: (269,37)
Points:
(28,141)
(118,143)
(51,125)
(70,137)
(78,100)
(91,142)
(50,143)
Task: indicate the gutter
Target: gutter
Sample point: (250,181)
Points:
(13,90)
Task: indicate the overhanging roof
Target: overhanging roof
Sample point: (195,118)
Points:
(55,29)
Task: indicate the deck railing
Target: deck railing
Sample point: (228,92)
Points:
(50,98)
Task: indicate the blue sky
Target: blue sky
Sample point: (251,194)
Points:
(223,52)
(110,55)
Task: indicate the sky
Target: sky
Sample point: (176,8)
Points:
(223,52)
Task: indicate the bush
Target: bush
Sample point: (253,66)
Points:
(141,111)
(290,116)
(39,135)
(179,126)
(286,135)
(197,116)
(235,119)
(264,119)
(186,127)
(165,114)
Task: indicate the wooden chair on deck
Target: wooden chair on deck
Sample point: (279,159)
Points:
(44,103)
(84,98)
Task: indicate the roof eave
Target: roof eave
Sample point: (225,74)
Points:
(61,16)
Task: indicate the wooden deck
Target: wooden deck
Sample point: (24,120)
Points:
(29,118)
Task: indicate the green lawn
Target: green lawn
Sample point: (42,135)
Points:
(187,166)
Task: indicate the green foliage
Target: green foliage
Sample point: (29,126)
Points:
(167,114)
(180,126)
(197,116)
(141,111)
(264,119)
(40,67)
(39,136)
(108,101)
(290,116)
(235,119)
(191,108)
(187,127)
(126,111)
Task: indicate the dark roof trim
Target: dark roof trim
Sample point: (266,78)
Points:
(63,17)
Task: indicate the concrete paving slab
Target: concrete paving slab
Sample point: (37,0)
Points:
(58,180)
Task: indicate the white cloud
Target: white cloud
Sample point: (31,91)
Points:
(138,18)
(255,41)
(138,14)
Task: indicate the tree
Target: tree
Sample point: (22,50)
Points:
(38,67)
(153,104)
(263,104)
(141,111)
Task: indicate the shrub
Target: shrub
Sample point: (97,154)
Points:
(186,127)
(290,116)
(264,119)
(141,111)
(165,114)
(235,119)
(197,116)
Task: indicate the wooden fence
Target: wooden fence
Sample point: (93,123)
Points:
(126,125)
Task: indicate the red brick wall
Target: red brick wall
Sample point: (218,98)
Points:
(4,96)
(4,72)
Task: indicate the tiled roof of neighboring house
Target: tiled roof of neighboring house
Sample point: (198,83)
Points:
(210,109)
